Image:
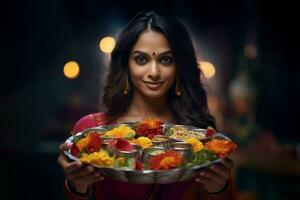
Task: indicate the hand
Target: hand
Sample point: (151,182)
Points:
(215,177)
(79,176)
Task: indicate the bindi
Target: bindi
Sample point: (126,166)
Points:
(153,54)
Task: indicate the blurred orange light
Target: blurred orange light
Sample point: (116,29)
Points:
(107,44)
(71,70)
(207,68)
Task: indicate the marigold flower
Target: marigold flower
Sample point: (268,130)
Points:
(122,144)
(100,158)
(121,131)
(150,127)
(167,160)
(92,142)
(197,145)
(221,147)
(82,143)
(143,142)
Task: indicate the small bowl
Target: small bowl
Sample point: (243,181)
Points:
(160,141)
(151,151)
(139,150)
(134,153)
(106,146)
(185,149)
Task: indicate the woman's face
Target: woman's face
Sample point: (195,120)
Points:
(152,65)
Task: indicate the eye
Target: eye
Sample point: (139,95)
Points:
(140,60)
(166,60)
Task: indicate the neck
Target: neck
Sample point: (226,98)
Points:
(144,107)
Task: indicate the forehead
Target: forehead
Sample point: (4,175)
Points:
(151,41)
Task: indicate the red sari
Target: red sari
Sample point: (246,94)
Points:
(111,189)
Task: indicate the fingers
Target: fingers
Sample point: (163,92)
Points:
(72,166)
(220,170)
(88,178)
(63,160)
(217,173)
(228,163)
(85,177)
(212,176)
(68,166)
(211,183)
(84,171)
(65,147)
(203,180)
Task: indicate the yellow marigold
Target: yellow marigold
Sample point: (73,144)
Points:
(122,131)
(100,158)
(143,142)
(197,145)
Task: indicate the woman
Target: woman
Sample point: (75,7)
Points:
(153,73)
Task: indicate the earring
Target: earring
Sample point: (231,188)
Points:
(126,89)
(177,88)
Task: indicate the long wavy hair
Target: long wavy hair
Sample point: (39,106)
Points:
(190,107)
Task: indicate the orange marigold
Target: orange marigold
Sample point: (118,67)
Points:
(167,160)
(150,127)
(82,143)
(92,142)
(221,147)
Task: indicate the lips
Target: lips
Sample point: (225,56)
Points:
(153,85)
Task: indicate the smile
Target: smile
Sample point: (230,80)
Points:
(153,85)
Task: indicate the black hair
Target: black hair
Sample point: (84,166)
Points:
(190,107)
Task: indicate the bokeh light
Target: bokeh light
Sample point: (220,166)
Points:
(107,44)
(71,70)
(207,68)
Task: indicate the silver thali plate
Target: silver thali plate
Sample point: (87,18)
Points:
(148,176)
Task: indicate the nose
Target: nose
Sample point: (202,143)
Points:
(154,71)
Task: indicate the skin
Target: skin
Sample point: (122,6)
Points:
(150,62)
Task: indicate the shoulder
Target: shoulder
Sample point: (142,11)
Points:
(89,121)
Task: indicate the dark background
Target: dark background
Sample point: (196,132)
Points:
(39,105)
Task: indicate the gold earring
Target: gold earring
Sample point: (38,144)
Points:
(126,89)
(177,88)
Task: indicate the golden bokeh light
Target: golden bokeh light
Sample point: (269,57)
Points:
(207,68)
(71,70)
(107,44)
